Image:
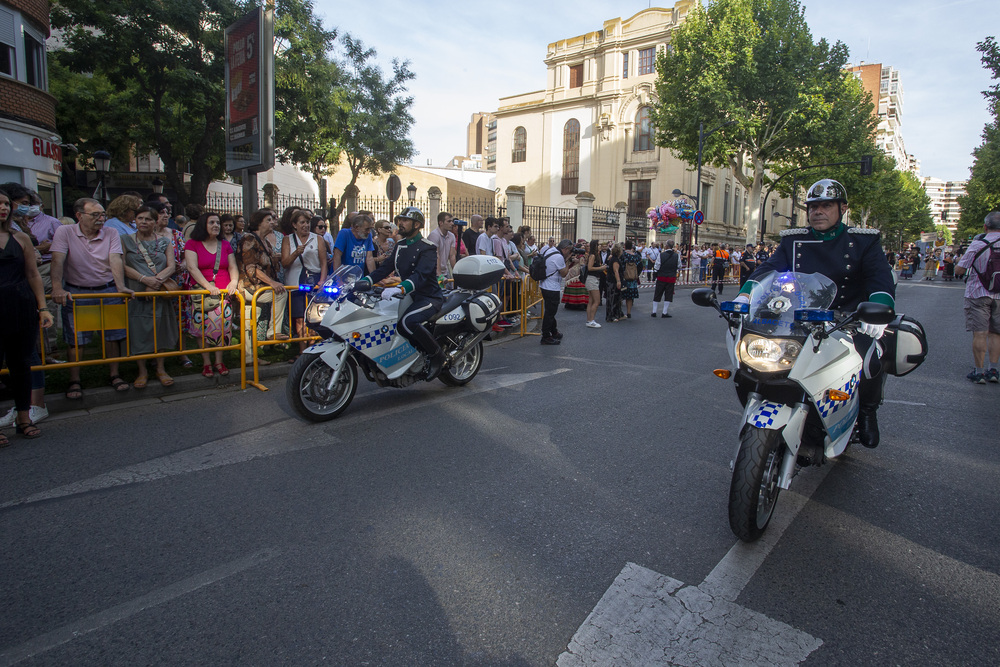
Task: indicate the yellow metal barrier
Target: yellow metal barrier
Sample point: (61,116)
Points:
(109,317)
(252,330)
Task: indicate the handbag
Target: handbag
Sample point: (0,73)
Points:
(169,285)
(211,301)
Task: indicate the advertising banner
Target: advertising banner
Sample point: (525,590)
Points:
(250,93)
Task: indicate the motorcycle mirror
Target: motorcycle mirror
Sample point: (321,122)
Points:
(870,312)
(703,296)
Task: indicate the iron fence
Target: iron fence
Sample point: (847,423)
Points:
(546,222)
(226,202)
(459,207)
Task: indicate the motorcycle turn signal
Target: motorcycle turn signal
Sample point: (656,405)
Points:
(723,373)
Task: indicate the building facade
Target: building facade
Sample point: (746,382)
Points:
(589,131)
(883,84)
(32,151)
(482,139)
(944,200)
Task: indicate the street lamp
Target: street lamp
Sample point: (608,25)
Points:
(102,162)
(411,193)
(157,186)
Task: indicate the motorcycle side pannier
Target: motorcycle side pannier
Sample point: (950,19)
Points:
(477,272)
(482,310)
(905,346)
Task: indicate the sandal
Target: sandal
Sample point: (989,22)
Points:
(119,384)
(140,382)
(74,391)
(221,369)
(207,371)
(186,363)
(28,430)
(165,379)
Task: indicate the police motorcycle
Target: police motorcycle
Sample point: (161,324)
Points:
(359,334)
(796,372)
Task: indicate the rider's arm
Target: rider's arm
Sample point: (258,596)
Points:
(383,270)
(425,270)
(878,275)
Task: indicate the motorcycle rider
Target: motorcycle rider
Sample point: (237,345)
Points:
(853,259)
(414,259)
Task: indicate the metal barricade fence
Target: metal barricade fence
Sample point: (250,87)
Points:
(103,317)
(250,325)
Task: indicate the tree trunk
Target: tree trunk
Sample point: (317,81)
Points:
(753,220)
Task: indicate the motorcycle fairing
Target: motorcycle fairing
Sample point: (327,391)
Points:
(835,366)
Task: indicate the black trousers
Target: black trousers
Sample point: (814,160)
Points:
(718,276)
(550,304)
(411,324)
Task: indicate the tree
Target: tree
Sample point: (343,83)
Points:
(754,63)
(308,83)
(983,188)
(375,120)
(142,76)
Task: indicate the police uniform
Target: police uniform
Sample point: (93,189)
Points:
(853,259)
(415,261)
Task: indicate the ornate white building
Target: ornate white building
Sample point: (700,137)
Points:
(589,131)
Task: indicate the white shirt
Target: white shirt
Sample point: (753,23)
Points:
(974,287)
(554,263)
(484,245)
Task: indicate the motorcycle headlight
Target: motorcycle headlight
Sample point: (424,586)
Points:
(769,355)
(316,311)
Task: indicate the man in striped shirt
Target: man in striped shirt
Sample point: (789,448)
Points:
(982,308)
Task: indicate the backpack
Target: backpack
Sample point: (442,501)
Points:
(537,268)
(990,278)
(631,271)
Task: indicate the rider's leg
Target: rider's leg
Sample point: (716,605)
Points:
(411,328)
(870,389)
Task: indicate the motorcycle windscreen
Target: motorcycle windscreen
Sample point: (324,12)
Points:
(777,296)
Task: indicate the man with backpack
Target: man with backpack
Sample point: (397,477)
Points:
(982,300)
(549,268)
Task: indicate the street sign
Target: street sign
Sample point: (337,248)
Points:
(249,80)
(393,188)
(699,217)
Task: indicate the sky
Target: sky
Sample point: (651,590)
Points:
(467,55)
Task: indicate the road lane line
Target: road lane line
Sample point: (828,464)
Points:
(646,618)
(923,405)
(296,435)
(68,633)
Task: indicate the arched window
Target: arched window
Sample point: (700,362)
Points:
(519,149)
(643,131)
(571,157)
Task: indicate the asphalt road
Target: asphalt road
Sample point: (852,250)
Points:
(568,505)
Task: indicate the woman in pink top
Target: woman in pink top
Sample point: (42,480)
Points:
(210,262)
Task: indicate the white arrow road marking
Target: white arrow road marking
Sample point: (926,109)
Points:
(295,435)
(646,618)
(67,633)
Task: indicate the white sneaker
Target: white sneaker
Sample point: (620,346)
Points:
(593,324)
(35,413)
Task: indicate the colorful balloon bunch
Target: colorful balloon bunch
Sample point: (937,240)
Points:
(663,216)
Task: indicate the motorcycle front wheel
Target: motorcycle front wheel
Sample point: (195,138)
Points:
(463,369)
(754,489)
(309,392)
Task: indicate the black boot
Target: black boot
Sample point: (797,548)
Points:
(425,342)
(870,397)
(434,365)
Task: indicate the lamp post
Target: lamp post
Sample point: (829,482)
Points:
(102,162)
(411,193)
(702,134)
(157,186)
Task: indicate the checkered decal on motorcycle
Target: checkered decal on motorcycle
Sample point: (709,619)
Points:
(763,417)
(827,407)
(373,338)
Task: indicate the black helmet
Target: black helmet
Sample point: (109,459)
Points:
(411,213)
(826,190)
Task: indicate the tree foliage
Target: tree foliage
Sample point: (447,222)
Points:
(375,119)
(753,63)
(146,76)
(983,189)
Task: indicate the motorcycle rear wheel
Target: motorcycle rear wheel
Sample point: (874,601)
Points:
(306,388)
(754,489)
(463,369)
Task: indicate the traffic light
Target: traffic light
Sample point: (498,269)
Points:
(866,165)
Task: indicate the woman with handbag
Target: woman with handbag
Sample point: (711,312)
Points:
(594,270)
(210,262)
(149,265)
(303,254)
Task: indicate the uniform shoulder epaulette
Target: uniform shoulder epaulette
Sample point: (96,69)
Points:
(862,230)
(426,240)
(791,231)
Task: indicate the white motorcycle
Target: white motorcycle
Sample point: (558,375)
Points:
(359,333)
(796,372)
